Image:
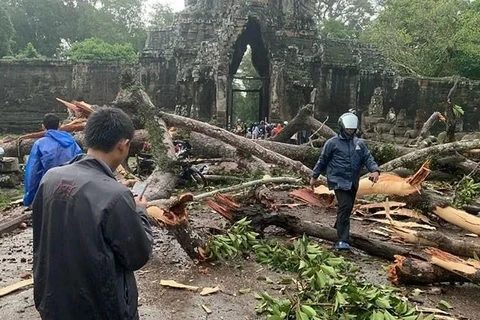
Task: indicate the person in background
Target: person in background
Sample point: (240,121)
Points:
(89,233)
(52,150)
(276,130)
(343,157)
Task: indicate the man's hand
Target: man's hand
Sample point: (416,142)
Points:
(141,202)
(313,182)
(374,176)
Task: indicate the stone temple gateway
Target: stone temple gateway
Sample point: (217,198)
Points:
(190,66)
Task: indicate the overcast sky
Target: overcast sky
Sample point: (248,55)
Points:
(177,5)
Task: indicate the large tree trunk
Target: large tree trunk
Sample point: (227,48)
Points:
(418,155)
(439,240)
(21,148)
(207,147)
(302,121)
(408,270)
(163,181)
(242,144)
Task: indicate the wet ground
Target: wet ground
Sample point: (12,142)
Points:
(169,262)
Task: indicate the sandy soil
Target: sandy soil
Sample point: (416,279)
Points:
(170,262)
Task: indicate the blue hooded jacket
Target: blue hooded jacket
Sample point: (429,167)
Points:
(54,149)
(343,158)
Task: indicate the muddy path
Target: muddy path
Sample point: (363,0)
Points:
(238,280)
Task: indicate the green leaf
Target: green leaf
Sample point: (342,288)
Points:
(244,290)
(383,303)
(309,311)
(444,305)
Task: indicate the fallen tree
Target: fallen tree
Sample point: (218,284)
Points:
(163,180)
(303,121)
(241,143)
(439,240)
(261,219)
(417,155)
(413,267)
(207,147)
(21,147)
(436,116)
(410,270)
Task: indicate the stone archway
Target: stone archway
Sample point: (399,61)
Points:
(251,36)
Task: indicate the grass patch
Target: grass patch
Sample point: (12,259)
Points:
(8,195)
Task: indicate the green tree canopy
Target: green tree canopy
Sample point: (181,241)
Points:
(97,49)
(45,23)
(6,31)
(429,37)
(343,18)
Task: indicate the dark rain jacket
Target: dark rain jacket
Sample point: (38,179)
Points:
(88,238)
(343,159)
(52,150)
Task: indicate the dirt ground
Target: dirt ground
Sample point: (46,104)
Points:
(169,262)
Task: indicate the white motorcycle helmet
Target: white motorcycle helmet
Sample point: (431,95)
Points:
(348,121)
(2,153)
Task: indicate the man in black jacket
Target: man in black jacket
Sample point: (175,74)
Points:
(89,233)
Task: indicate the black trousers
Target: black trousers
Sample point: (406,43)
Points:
(346,200)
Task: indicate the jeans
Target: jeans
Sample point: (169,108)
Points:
(346,200)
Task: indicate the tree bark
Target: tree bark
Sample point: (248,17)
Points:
(303,120)
(21,148)
(242,144)
(409,270)
(413,271)
(163,181)
(439,240)
(207,147)
(417,155)
(428,125)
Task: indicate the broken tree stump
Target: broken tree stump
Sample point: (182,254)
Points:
(173,216)
(439,267)
(408,270)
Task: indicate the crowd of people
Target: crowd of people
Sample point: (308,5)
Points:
(265,130)
(89,231)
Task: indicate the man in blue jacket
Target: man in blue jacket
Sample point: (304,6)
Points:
(55,148)
(343,157)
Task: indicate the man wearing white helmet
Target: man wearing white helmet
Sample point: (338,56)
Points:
(343,157)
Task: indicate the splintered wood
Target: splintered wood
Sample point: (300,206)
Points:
(307,195)
(81,110)
(224,205)
(394,185)
(171,213)
(434,266)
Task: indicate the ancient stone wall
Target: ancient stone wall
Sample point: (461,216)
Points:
(28,89)
(188,68)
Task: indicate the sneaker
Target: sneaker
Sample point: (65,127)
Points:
(342,246)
